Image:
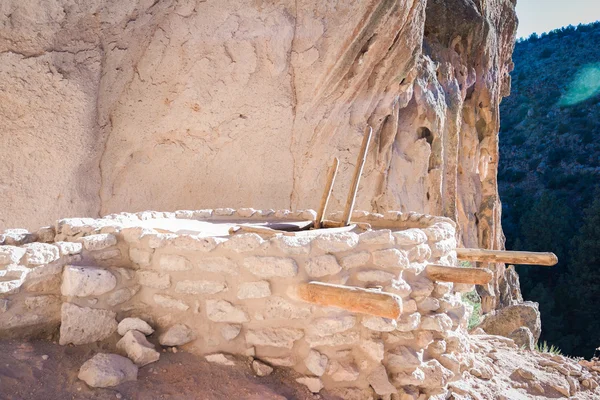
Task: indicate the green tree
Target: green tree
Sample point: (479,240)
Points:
(583,296)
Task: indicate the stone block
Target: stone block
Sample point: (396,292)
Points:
(390,258)
(410,237)
(331,325)
(377,237)
(224,311)
(217,265)
(243,243)
(99,241)
(317,267)
(81,325)
(200,287)
(355,260)
(271,267)
(174,262)
(153,279)
(254,290)
(138,349)
(177,335)
(131,324)
(87,281)
(273,337)
(11,254)
(170,302)
(107,370)
(316,362)
(335,243)
(40,253)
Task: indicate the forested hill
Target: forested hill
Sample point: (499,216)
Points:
(549,179)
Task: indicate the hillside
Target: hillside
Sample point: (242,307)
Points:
(549,169)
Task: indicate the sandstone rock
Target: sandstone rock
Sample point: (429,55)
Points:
(11,254)
(174,262)
(436,375)
(343,371)
(335,243)
(230,331)
(440,231)
(375,276)
(69,248)
(277,307)
(316,362)
(153,279)
(45,302)
(40,253)
(403,358)
(17,237)
(242,243)
(140,256)
(427,304)
(218,265)
(379,324)
(254,290)
(329,326)
(401,287)
(80,325)
(169,302)
(313,384)
(122,295)
(443,248)
(410,237)
(317,267)
(338,339)
(219,358)
(87,281)
(177,335)
(408,322)
(523,338)
(380,236)
(224,311)
(355,260)
(98,242)
(437,322)
(289,361)
(274,337)
(137,348)
(373,348)
(137,324)
(261,369)
(419,253)
(293,244)
(380,382)
(390,258)
(505,321)
(271,267)
(200,287)
(107,370)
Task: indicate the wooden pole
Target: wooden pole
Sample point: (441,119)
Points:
(508,257)
(331,174)
(360,163)
(444,273)
(359,300)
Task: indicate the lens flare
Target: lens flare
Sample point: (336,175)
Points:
(585,85)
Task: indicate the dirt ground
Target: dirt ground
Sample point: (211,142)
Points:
(25,374)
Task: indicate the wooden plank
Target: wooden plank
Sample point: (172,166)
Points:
(444,273)
(325,231)
(360,163)
(331,174)
(508,257)
(262,230)
(354,299)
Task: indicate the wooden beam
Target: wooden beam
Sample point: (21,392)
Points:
(360,163)
(472,276)
(359,300)
(508,257)
(331,174)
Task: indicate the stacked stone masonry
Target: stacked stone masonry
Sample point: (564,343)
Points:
(235,293)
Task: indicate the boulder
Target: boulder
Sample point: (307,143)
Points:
(80,325)
(177,335)
(107,370)
(87,281)
(523,338)
(137,348)
(506,320)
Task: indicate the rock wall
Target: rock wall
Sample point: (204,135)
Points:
(109,106)
(235,294)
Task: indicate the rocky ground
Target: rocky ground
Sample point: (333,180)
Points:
(500,371)
(44,370)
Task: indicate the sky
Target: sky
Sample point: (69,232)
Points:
(545,15)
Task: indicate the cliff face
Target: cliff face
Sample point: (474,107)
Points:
(109,106)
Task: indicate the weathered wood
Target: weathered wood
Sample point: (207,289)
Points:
(359,300)
(508,257)
(262,230)
(444,273)
(324,231)
(337,224)
(360,163)
(331,174)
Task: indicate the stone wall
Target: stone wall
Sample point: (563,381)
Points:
(235,294)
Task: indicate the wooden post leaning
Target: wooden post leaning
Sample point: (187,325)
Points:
(360,163)
(359,300)
(331,174)
(472,276)
(508,257)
